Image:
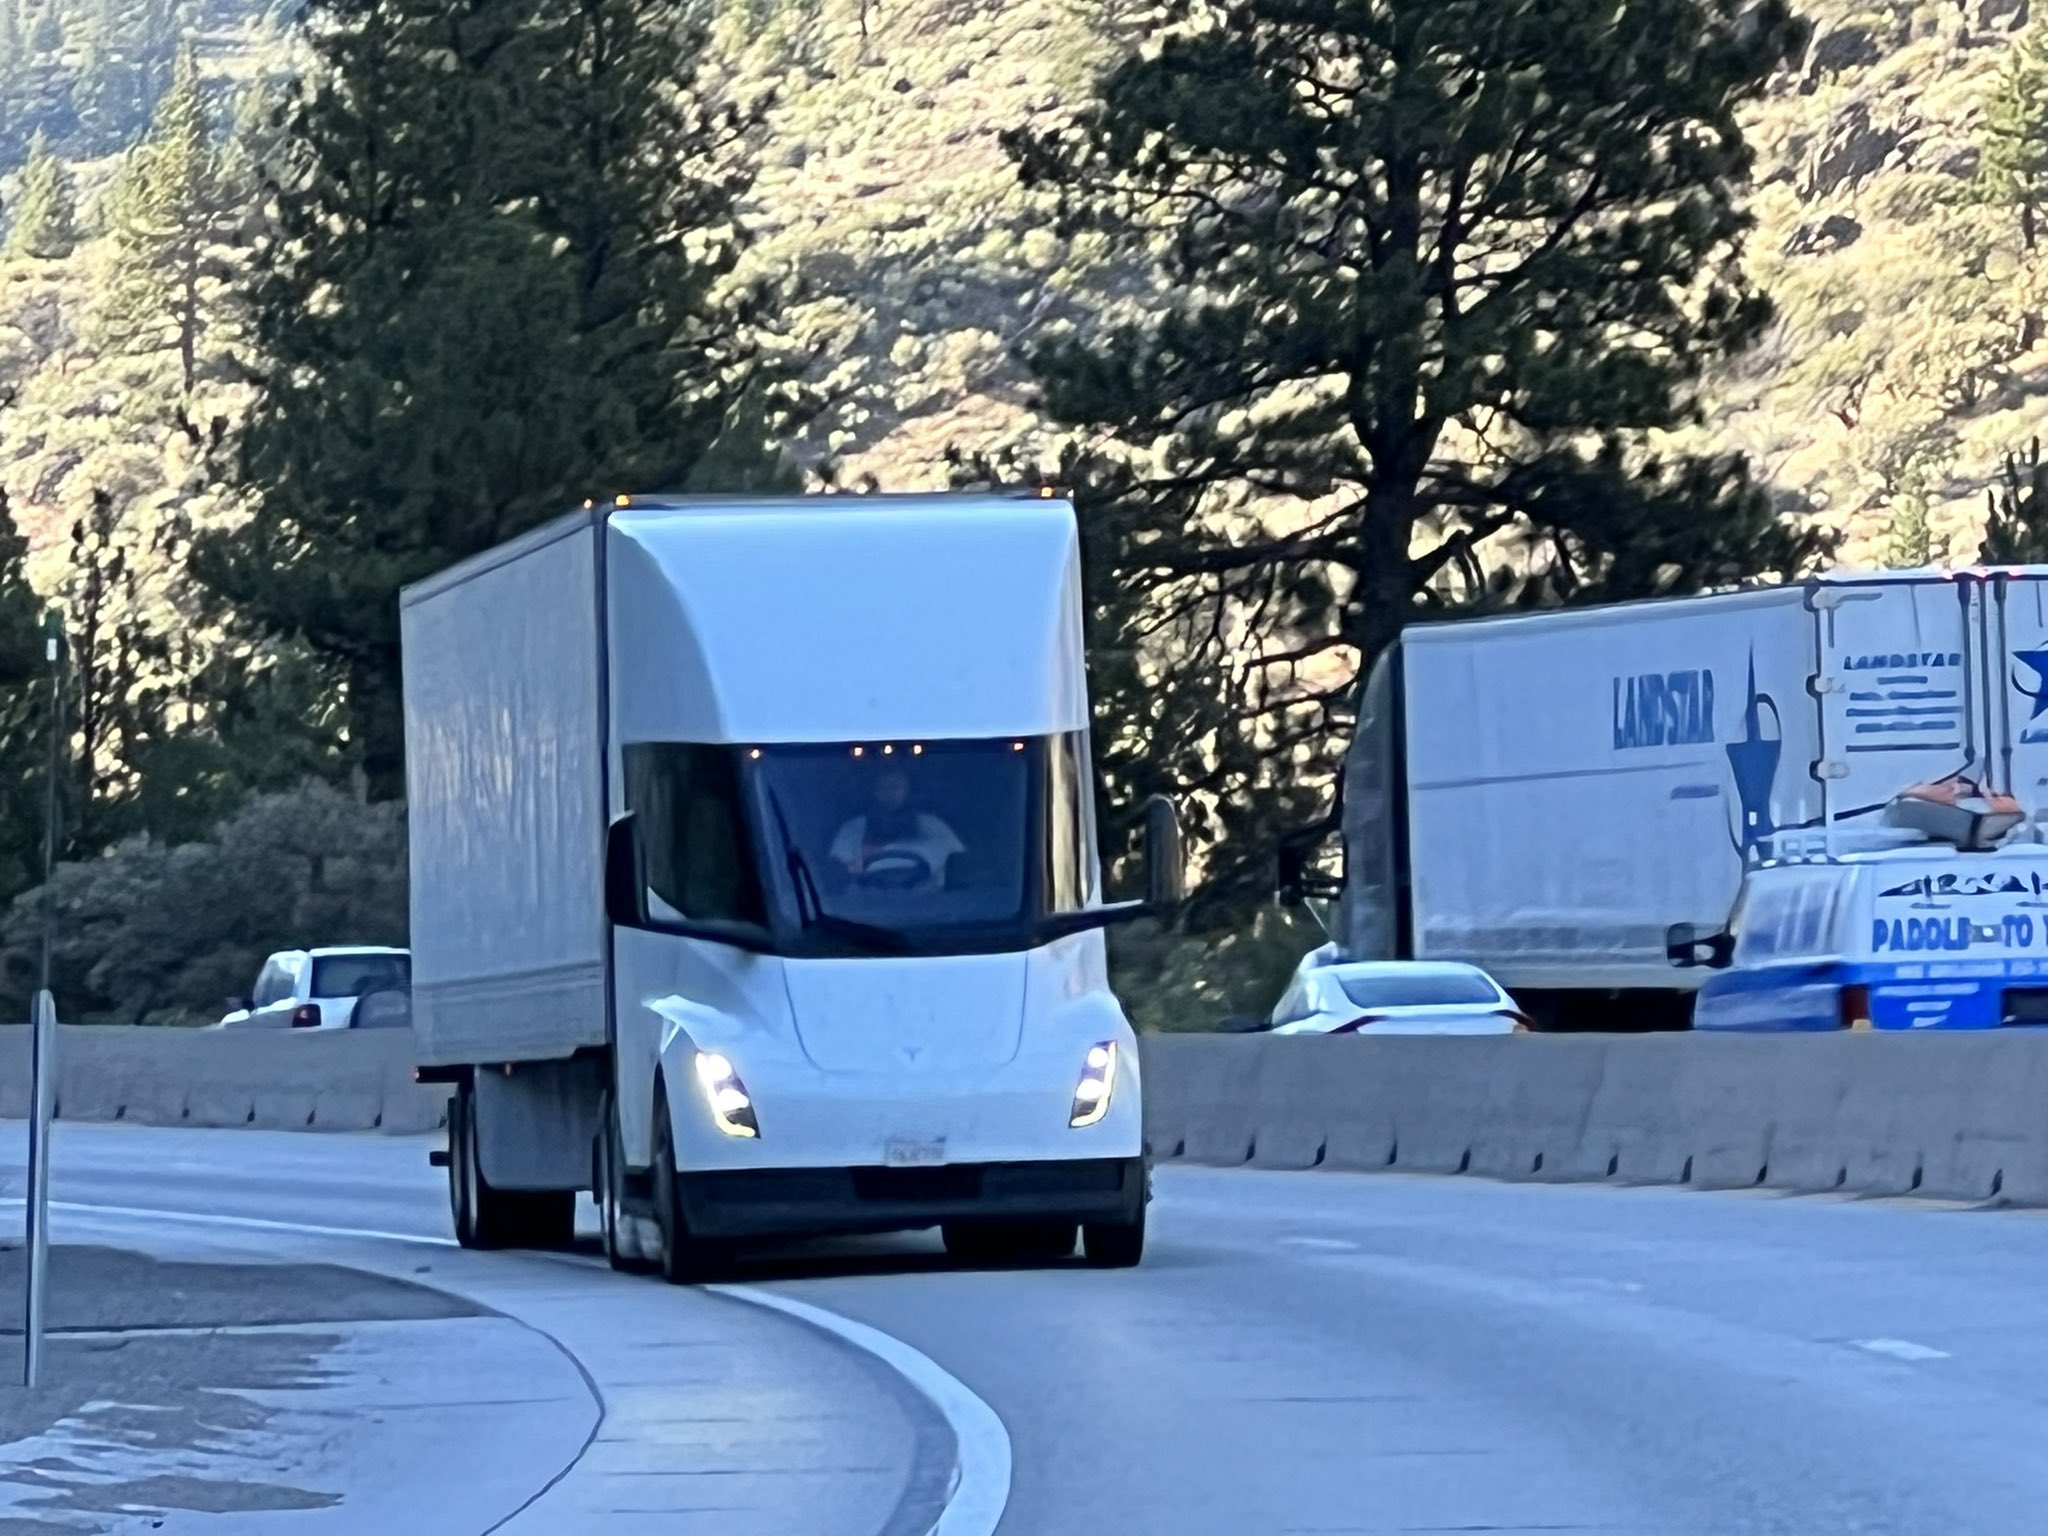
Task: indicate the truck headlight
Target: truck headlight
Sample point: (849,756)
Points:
(731,1109)
(1098,1082)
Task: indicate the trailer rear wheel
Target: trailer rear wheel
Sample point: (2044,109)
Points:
(621,1241)
(486,1217)
(685,1259)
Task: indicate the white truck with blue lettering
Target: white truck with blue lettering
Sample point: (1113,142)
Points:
(1547,795)
(1915,937)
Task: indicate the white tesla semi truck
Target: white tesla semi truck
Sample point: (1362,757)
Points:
(755,884)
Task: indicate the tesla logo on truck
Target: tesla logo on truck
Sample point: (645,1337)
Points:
(1663,709)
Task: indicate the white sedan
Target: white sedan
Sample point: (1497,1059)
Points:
(323,989)
(1395,997)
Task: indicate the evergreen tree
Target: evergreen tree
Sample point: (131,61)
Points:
(2013,167)
(170,218)
(46,210)
(2016,530)
(499,288)
(1428,273)
(24,717)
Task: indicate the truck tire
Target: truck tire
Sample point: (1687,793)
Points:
(488,1218)
(621,1240)
(1119,1243)
(684,1259)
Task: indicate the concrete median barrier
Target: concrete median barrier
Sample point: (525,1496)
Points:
(336,1080)
(1951,1115)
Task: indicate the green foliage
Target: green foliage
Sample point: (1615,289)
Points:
(1175,982)
(2014,167)
(1912,479)
(499,286)
(24,717)
(152,934)
(1425,274)
(2016,530)
(45,225)
(120,437)
(85,73)
(170,216)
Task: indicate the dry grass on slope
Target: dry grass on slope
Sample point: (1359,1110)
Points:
(885,190)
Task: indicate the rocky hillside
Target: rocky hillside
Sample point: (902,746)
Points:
(1911,355)
(1909,358)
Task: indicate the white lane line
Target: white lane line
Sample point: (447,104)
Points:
(1900,1349)
(1321,1244)
(981,1473)
(246,1223)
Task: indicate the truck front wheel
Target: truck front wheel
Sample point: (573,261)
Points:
(685,1258)
(1119,1243)
(486,1217)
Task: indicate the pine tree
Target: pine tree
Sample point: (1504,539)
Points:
(24,717)
(499,288)
(46,211)
(2013,167)
(169,215)
(2016,529)
(1426,275)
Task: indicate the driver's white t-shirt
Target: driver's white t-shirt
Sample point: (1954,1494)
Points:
(935,843)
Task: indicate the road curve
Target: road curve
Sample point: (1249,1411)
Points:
(1330,1353)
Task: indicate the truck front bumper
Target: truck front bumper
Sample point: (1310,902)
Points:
(768,1202)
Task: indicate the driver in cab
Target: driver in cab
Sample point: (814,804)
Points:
(894,843)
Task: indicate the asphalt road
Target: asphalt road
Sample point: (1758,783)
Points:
(1329,1353)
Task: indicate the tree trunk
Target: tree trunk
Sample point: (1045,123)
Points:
(376,716)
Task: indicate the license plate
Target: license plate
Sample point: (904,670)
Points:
(911,1152)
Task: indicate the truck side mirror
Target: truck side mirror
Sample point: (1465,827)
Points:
(1292,882)
(1685,947)
(1296,883)
(1166,877)
(625,874)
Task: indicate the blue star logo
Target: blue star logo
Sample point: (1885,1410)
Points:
(2035,662)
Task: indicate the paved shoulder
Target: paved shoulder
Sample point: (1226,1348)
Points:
(188,1395)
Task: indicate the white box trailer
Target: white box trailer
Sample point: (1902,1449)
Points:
(754,880)
(1546,794)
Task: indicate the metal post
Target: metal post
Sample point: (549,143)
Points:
(44,1071)
(43,1034)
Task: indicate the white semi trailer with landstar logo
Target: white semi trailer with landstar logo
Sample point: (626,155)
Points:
(755,884)
(1549,795)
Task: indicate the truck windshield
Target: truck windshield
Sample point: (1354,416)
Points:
(923,840)
(869,847)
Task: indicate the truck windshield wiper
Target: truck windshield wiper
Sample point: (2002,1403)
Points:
(810,907)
